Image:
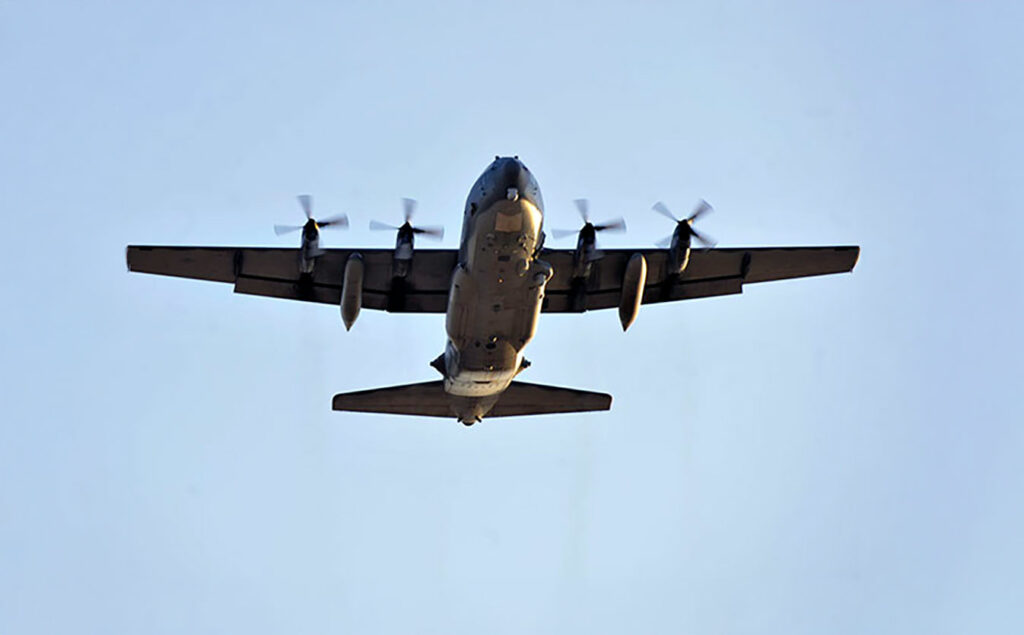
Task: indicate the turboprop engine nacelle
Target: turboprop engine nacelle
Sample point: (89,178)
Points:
(633,281)
(679,251)
(352,290)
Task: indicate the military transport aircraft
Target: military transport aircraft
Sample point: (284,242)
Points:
(493,288)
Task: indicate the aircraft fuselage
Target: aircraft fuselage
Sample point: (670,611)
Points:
(497,289)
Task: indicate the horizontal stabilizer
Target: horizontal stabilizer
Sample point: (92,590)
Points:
(428,399)
(536,399)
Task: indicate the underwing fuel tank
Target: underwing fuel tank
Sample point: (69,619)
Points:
(633,282)
(352,290)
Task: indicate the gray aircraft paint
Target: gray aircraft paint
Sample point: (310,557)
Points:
(497,288)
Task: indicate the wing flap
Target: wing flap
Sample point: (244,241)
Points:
(287,290)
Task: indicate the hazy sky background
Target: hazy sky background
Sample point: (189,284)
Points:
(833,455)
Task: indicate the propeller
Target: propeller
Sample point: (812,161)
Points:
(583,207)
(339,221)
(686,224)
(409,208)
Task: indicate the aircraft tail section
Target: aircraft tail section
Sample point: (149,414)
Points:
(428,399)
(522,398)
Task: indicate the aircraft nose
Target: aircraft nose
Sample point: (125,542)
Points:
(512,172)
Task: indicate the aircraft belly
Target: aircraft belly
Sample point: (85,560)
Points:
(494,303)
(491,329)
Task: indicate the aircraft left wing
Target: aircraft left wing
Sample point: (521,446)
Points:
(274,272)
(711,272)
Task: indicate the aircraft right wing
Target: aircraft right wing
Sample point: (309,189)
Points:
(274,272)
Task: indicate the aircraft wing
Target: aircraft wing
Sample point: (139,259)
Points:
(709,273)
(274,272)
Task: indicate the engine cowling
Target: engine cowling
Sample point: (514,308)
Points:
(633,281)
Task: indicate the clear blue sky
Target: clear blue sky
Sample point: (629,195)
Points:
(834,455)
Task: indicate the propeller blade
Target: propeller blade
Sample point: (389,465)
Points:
(409,208)
(376,225)
(703,239)
(664,211)
(617,225)
(433,232)
(286,229)
(665,242)
(306,201)
(562,233)
(583,207)
(596,254)
(701,209)
(338,222)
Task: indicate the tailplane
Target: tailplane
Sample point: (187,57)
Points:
(522,398)
(428,399)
